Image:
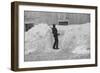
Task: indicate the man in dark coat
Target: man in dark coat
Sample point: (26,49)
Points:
(55,34)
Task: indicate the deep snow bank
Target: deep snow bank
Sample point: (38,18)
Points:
(75,38)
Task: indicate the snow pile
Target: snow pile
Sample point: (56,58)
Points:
(81,50)
(73,38)
(38,38)
(36,31)
(82,41)
(76,38)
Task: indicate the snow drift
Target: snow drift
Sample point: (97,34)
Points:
(74,39)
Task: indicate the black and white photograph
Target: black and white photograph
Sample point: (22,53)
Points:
(56,36)
(53,36)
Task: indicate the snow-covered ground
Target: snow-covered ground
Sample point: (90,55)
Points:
(74,42)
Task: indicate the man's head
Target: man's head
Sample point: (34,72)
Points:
(54,25)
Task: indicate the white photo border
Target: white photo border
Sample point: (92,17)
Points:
(34,64)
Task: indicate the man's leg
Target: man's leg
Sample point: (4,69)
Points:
(57,44)
(54,45)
